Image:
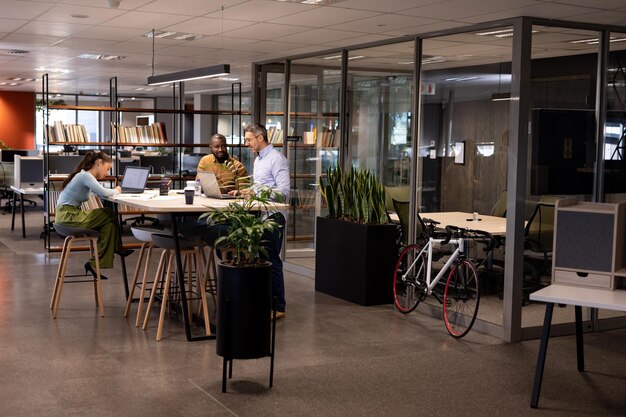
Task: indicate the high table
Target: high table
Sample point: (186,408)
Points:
(174,205)
(578,297)
(22,192)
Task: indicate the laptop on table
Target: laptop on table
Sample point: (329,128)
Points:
(135,179)
(210,186)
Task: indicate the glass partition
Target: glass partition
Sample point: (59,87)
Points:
(615,142)
(313,143)
(380,97)
(562,146)
(463,141)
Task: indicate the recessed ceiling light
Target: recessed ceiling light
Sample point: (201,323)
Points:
(102,57)
(179,36)
(228,79)
(55,70)
(79,16)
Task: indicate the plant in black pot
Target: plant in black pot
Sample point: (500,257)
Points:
(356,248)
(244,284)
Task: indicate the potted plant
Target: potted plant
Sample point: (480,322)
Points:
(244,278)
(355,245)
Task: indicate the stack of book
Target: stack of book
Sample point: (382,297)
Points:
(154,133)
(327,138)
(60,132)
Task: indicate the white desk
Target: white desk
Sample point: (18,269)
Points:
(578,297)
(22,192)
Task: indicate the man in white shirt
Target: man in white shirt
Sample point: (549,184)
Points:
(270,169)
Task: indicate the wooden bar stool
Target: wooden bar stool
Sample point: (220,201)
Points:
(143,234)
(72,236)
(192,260)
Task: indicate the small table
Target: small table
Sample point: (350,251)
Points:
(22,192)
(578,297)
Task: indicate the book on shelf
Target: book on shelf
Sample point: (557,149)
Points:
(327,138)
(61,132)
(154,133)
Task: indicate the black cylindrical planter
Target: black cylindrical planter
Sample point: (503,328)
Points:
(244,301)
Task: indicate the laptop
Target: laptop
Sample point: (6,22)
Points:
(210,186)
(135,179)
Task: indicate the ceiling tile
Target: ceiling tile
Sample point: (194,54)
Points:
(9,25)
(218,41)
(321,17)
(605,17)
(460,9)
(145,20)
(320,36)
(385,22)
(207,26)
(62,13)
(264,10)
(13,9)
(188,7)
(545,10)
(264,31)
(51,29)
(109,33)
(599,4)
(28,42)
(361,38)
(270,46)
(383,6)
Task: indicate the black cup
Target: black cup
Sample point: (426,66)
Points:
(189,196)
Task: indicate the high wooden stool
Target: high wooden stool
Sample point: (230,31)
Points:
(190,252)
(143,234)
(72,236)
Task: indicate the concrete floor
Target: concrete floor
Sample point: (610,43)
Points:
(332,358)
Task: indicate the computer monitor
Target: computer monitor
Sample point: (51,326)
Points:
(190,162)
(63,164)
(28,172)
(159,164)
(8,155)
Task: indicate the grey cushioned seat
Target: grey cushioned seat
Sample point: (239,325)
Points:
(166,241)
(65,230)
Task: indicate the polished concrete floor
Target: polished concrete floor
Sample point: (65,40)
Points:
(332,358)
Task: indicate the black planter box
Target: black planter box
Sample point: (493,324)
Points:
(355,262)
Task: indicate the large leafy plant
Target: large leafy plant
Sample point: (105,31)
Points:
(355,196)
(247,220)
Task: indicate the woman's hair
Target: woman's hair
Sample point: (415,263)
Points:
(87,163)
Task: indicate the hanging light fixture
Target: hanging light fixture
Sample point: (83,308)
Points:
(193,74)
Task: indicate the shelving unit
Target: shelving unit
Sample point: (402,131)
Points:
(110,122)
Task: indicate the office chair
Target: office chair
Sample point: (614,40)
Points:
(538,237)
(499,209)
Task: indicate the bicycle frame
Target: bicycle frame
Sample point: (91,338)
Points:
(430,285)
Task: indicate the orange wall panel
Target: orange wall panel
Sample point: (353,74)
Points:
(17,119)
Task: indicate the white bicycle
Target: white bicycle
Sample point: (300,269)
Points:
(460,297)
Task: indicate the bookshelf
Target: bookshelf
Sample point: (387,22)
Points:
(150,132)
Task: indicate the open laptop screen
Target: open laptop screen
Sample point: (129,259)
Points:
(135,179)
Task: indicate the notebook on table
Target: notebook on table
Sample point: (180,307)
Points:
(135,179)
(210,186)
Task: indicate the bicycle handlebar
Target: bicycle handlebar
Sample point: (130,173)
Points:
(450,230)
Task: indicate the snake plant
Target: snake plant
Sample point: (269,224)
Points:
(356,196)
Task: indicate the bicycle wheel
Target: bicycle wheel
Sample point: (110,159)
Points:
(409,279)
(461,298)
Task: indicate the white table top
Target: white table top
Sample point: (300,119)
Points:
(581,296)
(28,190)
(153,202)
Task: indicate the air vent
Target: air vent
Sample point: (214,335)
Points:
(13,52)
